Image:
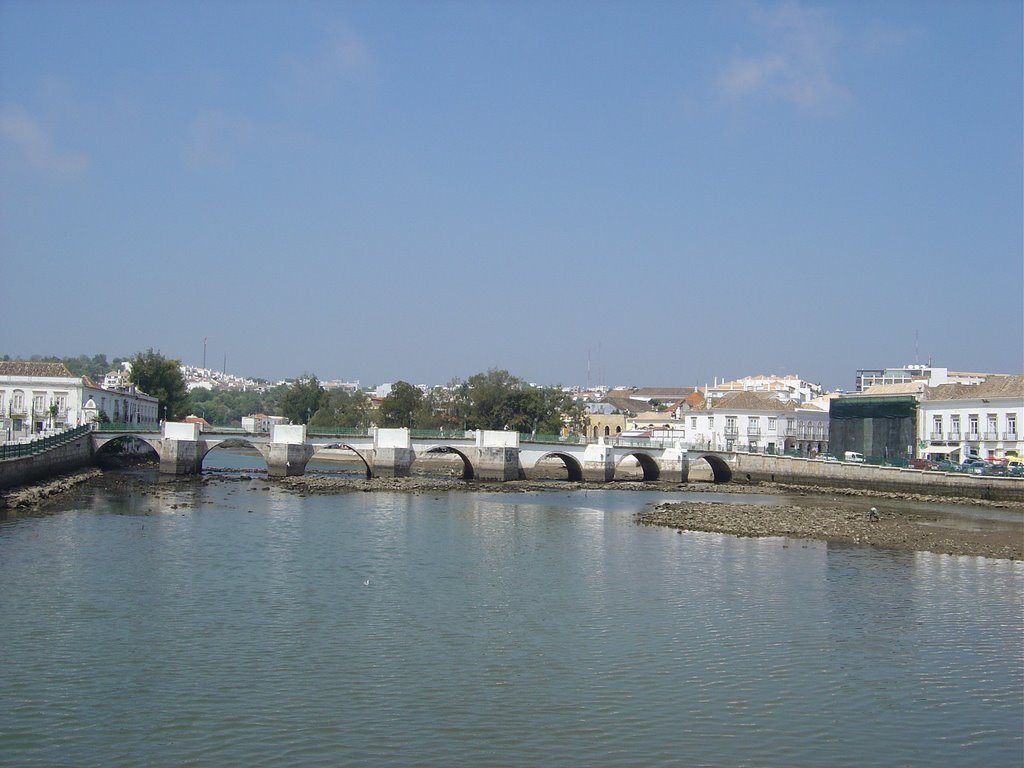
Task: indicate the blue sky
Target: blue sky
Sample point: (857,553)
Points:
(649,193)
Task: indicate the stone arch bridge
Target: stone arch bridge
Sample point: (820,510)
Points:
(486,455)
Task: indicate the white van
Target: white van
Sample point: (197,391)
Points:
(853,456)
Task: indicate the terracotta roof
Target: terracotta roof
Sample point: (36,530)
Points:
(34,369)
(751,401)
(623,404)
(653,393)
(993,386)
(904,388)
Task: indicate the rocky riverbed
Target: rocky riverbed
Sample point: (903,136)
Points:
(914,522)
(891,526)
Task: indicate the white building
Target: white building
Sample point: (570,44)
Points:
(261,422)
(788,388)
(40,397)
(960,421)
(932,376)
(743,421)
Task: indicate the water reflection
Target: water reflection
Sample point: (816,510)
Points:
(225,621)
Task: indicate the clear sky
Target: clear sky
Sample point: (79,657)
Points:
(635,192)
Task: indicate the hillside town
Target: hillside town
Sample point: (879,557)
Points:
(922,415)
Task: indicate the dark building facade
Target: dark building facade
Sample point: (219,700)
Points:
(880,427)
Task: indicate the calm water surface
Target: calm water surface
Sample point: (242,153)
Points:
(230,623)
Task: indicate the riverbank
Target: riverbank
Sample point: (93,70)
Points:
(27,496)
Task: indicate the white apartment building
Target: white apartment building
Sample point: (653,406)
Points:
(261,422)
(932,376)
(40,397)
(788,388)
(961,421)
(743,421)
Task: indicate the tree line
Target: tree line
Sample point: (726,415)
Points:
(494,399)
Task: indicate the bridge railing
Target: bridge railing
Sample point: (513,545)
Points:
(126,426)
(532,437)
(41,444)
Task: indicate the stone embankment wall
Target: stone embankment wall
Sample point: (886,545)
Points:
(788,469)
(73,455)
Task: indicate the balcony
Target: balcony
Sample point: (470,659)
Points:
(991,436)
(935,437)
(731,431)
(973,437)
(953,437)
(1010,436)
(753,432)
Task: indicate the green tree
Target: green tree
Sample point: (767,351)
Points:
(401,407)
(494,399)
(302,399)
(499,400)
(342,409)
(161,377)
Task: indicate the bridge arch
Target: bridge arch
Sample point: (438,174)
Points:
(468,472)
(347,447)
(106,451)
(720,469)
(572,465)
(648,464)
(227,445)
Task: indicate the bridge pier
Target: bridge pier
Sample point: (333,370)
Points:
(674,465)
(392,452)
(181,451)
(497,456)
(181,457)
(599,463)
(288,452)
(287,460)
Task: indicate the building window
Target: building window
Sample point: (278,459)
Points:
(754,425)
(693,422)
(730,425)
(772,424)
(1011,426)
(954,427)
(711,422)
(992,427)
(38,402)
(18,400)
(972,426)
(936,427)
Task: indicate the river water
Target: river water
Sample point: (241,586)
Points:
(233,623)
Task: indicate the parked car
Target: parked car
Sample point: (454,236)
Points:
(948,466)
(922,464)
(999,470)
(974,466)
(853,456)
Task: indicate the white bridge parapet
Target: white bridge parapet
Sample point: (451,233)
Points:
(288,434)
(181,430)
(492,438)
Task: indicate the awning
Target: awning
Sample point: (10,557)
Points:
(942,449)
